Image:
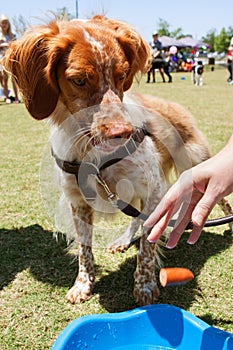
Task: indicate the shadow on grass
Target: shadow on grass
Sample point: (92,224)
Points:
(116,288)
(34,248)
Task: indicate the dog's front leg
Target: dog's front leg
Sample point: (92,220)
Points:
(83,286)
(145,285)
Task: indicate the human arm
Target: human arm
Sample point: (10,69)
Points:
(196,192)
(3,44)
(157,48)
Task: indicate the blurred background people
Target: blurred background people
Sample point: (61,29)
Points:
(230,61)
(6,36)
(158,61)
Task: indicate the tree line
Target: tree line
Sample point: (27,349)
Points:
(217,41)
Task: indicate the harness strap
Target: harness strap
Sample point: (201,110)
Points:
(121,153)
(83,169)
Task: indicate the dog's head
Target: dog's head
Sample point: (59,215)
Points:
(199,68)
(77,63)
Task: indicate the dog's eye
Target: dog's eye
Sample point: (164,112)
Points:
(79,82)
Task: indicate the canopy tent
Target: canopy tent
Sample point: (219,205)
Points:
(168,42)
(188,41)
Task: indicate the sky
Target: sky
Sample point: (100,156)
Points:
(196,18)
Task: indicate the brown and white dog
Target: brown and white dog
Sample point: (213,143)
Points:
(75,74)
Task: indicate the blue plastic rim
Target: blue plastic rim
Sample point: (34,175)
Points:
(153,327)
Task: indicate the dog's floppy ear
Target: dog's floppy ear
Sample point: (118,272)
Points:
(135,48)
(31,61)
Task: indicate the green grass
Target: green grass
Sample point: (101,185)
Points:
(36,271)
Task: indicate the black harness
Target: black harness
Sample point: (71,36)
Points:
(94,169)
(87,168)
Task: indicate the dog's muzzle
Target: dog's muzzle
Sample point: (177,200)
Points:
(82,170)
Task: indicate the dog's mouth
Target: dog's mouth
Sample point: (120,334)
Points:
(108,145)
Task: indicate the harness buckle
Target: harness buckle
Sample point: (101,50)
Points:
(112,197)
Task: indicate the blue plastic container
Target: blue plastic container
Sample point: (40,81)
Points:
(153,327)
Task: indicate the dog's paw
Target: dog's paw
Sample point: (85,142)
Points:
(145,293)
(122,243)
(81,291)
(118,248)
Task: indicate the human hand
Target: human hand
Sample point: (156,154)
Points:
(194,194)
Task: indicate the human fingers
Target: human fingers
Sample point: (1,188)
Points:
(195,234)
(183,219)
(176,234)
(180,225)
(159,227)
(201,213)
(161,217)
(174,238)
(170,203)
(162,209)
(203,208)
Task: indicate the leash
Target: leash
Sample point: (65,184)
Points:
(129,210)
(122,152)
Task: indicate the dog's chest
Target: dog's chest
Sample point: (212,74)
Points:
(137,174)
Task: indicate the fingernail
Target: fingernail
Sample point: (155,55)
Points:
(151,240)
(146,224)
(197,220)
(190,242)
(169,246)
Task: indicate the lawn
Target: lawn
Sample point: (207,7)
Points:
(36,270)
